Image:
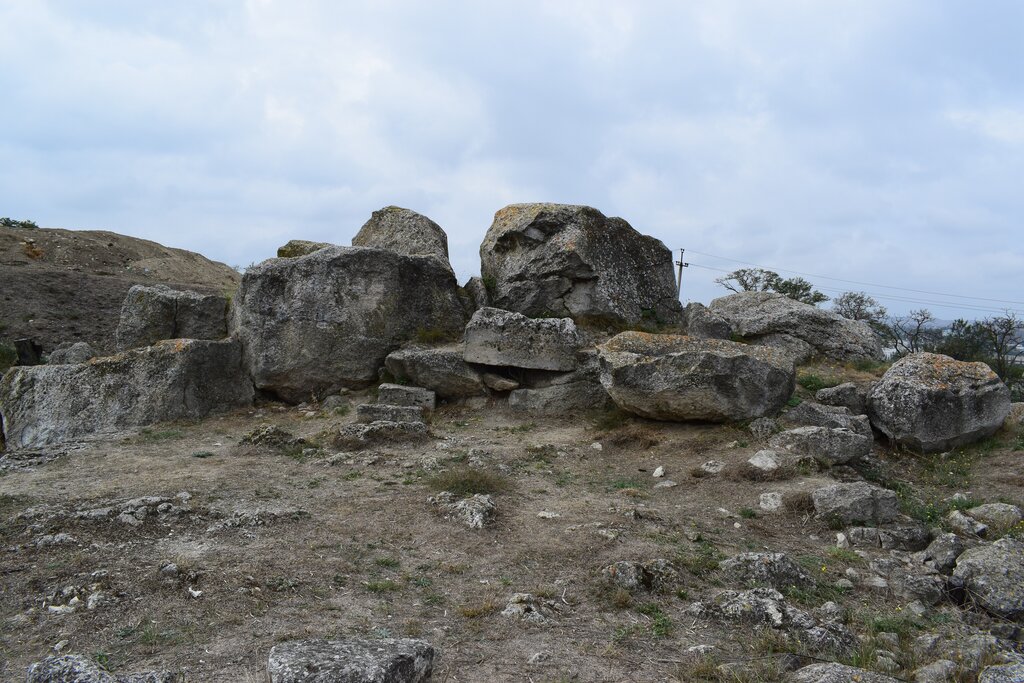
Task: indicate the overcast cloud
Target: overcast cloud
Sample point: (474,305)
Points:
(874,141)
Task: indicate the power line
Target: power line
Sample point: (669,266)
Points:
(857,282)
(895,297)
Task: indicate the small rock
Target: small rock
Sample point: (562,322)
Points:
(475,511)
(1007,673)
(774,570)
(539,657)
(666,484)
(940,671)
(999,515)
(765,461)
(962,524)
(655,575)
(544,514)
(770,502)
(658,472)
(596,446)
(713,466)
(838,673)
(528,607)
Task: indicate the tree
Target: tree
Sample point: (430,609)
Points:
(859,306)
(911,333)
(800,289)
(749,280)
(964,341)
(761,280)
(1004,336)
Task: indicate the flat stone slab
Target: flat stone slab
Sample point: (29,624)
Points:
(352,660)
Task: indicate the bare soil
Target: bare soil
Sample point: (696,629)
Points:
(347,544)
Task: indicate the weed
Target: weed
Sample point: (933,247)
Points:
(748,513)
(8,355)
(280,584)
(661,625)
(845,555)
(701,562)
(382,586)
(610,419)
(387,562)
(203,454)
(623,484)
(467,481)
(794,401)
(102,660)
(433,335)
(812,382)
(147,435)
(433,599)
(481,609)
(624,633)
(342,411)
(798,501)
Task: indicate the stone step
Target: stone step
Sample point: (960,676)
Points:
(376,412)
(401,395)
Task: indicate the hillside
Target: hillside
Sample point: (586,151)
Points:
(61,286)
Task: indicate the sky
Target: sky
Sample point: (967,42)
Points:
(875,142)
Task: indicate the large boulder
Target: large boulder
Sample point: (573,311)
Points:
(672,377)
(993,575)
(573,261)
(404,231)
(856,503)
(315,324)
(172,380)
(352,660)
(761,314)
(701,321)
(497,337)
(442,370)
(930,402)
(150,314)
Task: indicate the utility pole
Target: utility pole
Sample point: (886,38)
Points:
(682,264)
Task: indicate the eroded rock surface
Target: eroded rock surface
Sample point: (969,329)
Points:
(318,323)
(759,314)
(930,402)
(173,380)
(671,377)
(351,660)
(405,232)
(504,338)
(150,314)
(573,261)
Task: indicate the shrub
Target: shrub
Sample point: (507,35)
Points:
(8,355)
(468,481)
(812,382)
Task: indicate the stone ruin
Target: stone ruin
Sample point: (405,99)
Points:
(573,311)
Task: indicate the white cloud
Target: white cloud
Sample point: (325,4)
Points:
(1002,124)
(785,132)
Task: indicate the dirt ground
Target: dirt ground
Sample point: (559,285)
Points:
(272,545)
